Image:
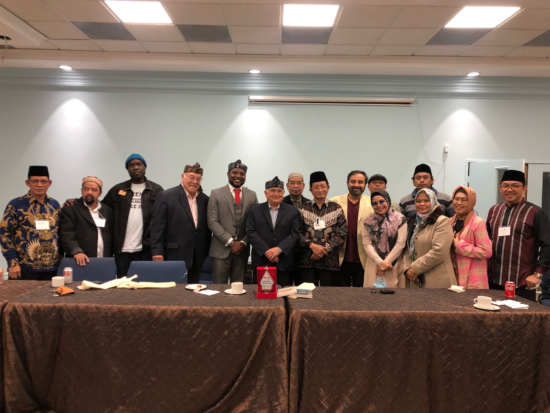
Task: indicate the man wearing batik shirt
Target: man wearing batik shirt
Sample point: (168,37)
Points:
(323,229)
(29,230)
(520,232)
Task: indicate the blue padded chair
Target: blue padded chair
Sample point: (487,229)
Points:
(98,269)
(206,275)
(545,287)
(159,271)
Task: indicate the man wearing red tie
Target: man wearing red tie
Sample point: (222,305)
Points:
(227,213)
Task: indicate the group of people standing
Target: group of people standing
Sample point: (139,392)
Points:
(427,240)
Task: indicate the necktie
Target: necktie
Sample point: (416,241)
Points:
(238,196)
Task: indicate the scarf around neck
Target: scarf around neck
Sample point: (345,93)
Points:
(422,218)
(469,206)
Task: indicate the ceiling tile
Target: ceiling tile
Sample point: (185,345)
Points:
(43,46)
(306,35)
(211,14)
(503,37)
(83,11)
(348,50)
(540,41)
(105,31)
(407,37)
(424,17)
(262,35)
(394,50)
(199,33)
(32,10)
(75,45)
(155,32)
(258,49)
(166,47)
(120,45)
(441,50)
(458,36)
(303,49)
(530,52)
(529,19)
(212,48)
(58,30)
(487,51)
(356,36)
(252,15)
(367,16)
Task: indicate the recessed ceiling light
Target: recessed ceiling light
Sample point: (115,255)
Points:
(309,15)
(254,71)
(473,74)
(139,11)
(65,67)
(472,17)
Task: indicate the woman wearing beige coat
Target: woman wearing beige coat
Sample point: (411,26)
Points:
(427,258)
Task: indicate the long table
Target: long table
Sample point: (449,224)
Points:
(169,350)
(8,290)
(416,351)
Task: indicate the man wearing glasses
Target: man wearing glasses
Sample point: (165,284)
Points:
(520,232)
(86,225)
(179,227)
(29,230)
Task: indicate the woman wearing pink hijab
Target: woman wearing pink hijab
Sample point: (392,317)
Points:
(472,245)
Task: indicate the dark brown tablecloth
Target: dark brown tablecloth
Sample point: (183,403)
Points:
(416,351)
(11,289)
(145,351)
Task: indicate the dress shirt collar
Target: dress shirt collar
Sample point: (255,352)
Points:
(189,196)
(97,208)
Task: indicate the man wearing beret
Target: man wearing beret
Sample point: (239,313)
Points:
(273,230)
(423,178)
(86,225)
(520,233)
(179,228)
(227,213)
(377,182)
(29,230)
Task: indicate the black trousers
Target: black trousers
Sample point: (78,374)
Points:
(522,292)
(193,273)
(283,277)
(325,278)
(124,260)
(352,274)
(38,276)
(296,274)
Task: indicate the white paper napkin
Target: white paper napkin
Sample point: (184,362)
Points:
(511,304)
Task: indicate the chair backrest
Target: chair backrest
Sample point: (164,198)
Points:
(206,275)
(98,269)
(159,271)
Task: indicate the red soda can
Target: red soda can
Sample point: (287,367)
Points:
(510,289)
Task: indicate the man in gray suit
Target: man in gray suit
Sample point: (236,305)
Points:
(227,213)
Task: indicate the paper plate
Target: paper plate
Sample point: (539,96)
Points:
(230,291)
(193,286)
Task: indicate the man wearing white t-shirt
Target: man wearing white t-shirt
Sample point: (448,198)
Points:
(133,203)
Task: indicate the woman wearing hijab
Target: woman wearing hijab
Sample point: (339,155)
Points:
(472,245)
(428,256)
(384,237)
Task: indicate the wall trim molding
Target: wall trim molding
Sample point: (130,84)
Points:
(277,84)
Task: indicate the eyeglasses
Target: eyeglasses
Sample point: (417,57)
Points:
(38,181)
(515,187)
(192,179)
(378,203)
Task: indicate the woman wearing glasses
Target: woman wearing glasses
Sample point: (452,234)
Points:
(384,237)
(471,243)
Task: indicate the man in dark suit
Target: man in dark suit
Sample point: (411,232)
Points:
(179,228)
(273,229)
(86,226)
(296,186)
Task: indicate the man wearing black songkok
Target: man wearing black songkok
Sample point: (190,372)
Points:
(520,232)
(273,230)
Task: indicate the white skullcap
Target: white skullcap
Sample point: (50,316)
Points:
(295,174)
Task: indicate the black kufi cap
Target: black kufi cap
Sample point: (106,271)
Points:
(38,171)
(377,177)
(317,177)
(275,183)
(513,175)
(237,164)
(422,168)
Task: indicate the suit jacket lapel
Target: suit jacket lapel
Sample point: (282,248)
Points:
(229,198)
(280,215)
(185,203)
(267,214)
(84,211)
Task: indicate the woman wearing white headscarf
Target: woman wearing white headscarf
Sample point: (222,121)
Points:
(428,254)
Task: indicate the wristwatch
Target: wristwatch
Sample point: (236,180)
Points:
(538,275)
(232,243)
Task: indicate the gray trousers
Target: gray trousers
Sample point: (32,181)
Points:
(231,268)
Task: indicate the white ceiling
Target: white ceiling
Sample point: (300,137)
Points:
(380,37)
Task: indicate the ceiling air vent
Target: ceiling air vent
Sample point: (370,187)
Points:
(346,101)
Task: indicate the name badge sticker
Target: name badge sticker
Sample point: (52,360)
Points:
(319,224)
(42,225)
(504,231)
(99,222)
(122,192)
